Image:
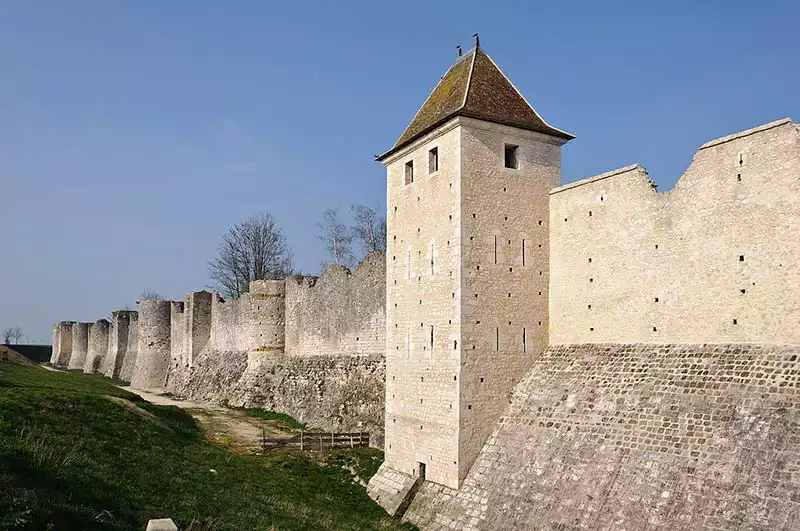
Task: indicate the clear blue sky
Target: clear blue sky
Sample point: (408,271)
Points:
(134,133)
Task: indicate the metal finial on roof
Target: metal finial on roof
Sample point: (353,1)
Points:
(459,50)
(477,40)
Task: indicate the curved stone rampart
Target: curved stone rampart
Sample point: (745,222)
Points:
(62,344)
(118,346)
(152,361)
(266,320)
(179,324)
(97,347)
(80,346)
(131,352)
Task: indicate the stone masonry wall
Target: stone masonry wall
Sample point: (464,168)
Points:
(62,344)
(505,270)
(118,346)
(197,324)
(715,259)
(294,346)
(80,346)
(179,325)
(324,391)
(423,284)
(152,361)
(632,437)
(98,346)
(132,349)
(339,313)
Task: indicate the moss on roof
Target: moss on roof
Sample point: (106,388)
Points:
(474,86)
(445,100)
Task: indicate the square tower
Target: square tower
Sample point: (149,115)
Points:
(467,266)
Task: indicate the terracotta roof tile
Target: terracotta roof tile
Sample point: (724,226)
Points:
(474,86)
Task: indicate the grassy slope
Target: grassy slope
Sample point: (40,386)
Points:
(67,453)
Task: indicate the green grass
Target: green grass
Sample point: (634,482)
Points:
(280,420)
(68,453)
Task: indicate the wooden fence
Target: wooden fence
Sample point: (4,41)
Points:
(317,441)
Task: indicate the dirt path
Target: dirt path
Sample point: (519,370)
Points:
(229,427)
(221,425)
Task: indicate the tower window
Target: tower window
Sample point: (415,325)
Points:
(409,172)
(433,160)
(511,156)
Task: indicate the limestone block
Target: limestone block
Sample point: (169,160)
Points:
(152,362)
(80,345)
(161,524)
(98,346)
(390,488)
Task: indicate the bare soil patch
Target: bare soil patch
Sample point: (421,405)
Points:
(221,425)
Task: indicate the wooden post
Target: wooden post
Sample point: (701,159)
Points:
(301,440)
(351,441)
(320,442)
(331,438)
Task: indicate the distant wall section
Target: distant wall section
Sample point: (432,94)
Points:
(80,346)
(119,347)
(717,259)
(98,346)
(339,313)
(62,344)
(152,361)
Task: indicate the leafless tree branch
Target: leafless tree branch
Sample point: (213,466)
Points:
(369,229)
(337,238)
(252,250)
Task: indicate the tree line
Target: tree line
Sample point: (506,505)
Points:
(256,248)
(13,334)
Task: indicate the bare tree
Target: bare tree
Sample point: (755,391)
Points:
(13,335)
(337,238)
(369,228)
(148,294)
(255,249)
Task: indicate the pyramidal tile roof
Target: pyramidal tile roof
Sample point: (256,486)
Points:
(475,87)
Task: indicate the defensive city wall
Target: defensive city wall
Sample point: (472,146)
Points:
(667,397)
(713,260)
(308,346)
(623,358)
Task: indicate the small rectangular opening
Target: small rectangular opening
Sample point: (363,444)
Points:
(433,160)
(409,172)
(511,156)
(421,471)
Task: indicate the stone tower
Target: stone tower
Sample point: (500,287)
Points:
(467,269)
